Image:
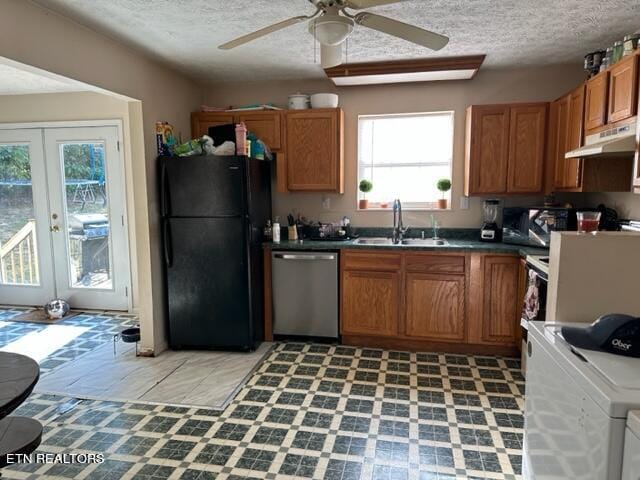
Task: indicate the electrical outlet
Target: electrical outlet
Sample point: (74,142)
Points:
(326,203)
(464,203)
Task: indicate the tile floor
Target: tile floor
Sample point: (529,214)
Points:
(95,329)
(309,411)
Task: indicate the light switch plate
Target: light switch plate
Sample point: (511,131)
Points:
(464,203)
(326,203)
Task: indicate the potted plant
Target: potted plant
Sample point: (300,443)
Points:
(444,185)
(365,187)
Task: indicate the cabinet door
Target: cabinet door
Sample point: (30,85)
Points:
(370,303)
(435,306)
(501,308)
(527,132)
(623,89)
(315,150)
(636,166)
(201,121)
(595,114)
(487,149)
(562,108)
(265,125)
(572,175)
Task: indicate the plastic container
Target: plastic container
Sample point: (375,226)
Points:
(324,100)
(630,43)
(276,230)
(241,139)
(618,51)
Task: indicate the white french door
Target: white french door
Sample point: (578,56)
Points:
(76,186)
(26,269)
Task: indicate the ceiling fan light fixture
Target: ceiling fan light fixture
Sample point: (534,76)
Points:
(331,29)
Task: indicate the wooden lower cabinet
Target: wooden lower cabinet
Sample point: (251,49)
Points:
(435,306)
(501,309)
(370,303)
(431,301)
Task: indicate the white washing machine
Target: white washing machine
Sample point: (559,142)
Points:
(631,460)
(576,407)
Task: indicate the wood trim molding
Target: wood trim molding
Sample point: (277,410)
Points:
(268,297)
(468,62)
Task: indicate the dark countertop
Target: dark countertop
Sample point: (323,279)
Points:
(454,245)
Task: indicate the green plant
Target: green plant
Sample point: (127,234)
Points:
(365,186)
(444,185)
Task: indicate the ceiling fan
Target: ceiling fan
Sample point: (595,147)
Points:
(332,23)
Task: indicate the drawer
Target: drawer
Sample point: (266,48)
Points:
(434,263)
(371,260)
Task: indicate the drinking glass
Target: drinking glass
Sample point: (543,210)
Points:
(588,222)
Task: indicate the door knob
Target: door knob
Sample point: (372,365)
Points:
(54,228)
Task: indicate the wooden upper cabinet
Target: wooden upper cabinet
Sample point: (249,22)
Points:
(569,114)
(201,121)
(266,125)
(370,303)
(314,146)
(435,306)
(527,133)
(636,164)
(596,95)
(505,149)
(623,89)
(486,149)
(501,307)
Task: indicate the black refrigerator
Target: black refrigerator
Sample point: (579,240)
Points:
(213,213)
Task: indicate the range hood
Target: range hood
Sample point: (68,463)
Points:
(616,141)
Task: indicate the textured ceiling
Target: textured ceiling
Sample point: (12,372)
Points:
(513,33)
(14,81)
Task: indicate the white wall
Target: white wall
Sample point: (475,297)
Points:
(540,84)
(37,37)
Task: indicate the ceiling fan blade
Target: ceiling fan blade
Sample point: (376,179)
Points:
(330,55)
(262,32)
(360,4)
(411,33)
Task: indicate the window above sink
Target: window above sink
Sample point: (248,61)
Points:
(404,155)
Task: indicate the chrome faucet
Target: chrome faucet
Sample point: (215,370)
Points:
(398,228)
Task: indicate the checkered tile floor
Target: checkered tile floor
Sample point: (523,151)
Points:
(100,328)
(309,411)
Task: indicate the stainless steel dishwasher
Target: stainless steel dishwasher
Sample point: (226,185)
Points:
(305,293)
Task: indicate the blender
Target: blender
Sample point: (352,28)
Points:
(489,231)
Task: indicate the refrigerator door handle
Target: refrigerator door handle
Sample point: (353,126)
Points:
(166,241)
(164,190)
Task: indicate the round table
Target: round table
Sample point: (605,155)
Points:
(18,375)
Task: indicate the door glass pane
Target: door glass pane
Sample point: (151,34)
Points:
(87,215)
(18,248)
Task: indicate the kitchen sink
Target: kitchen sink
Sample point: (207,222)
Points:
(374,241)
(426,242)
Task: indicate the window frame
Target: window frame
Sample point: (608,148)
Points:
(418,206)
